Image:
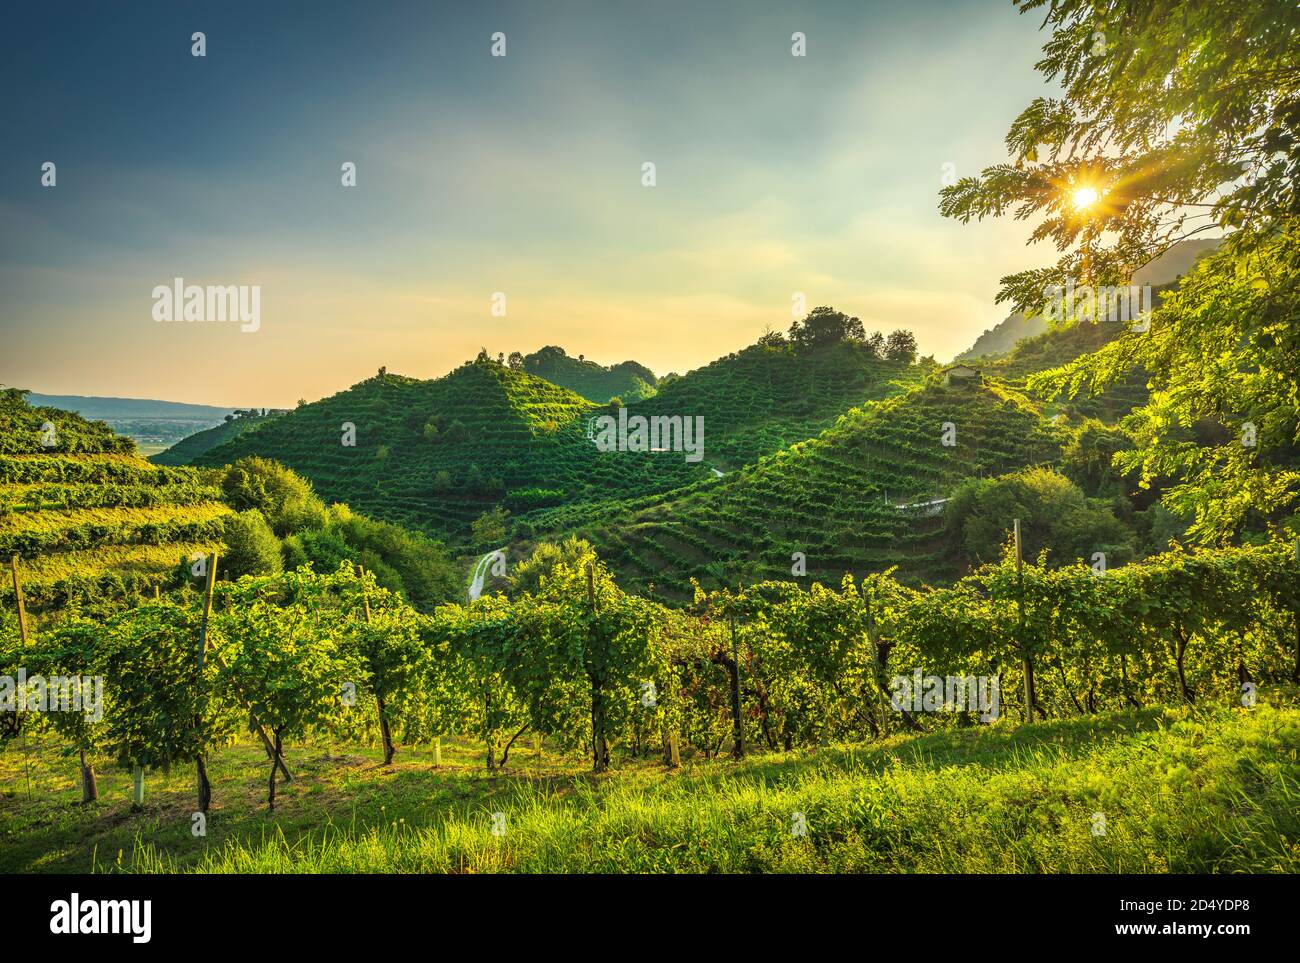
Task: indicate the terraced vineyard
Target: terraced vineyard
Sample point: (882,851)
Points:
(837,498)
(1057,347)
(759,400)
(435,455)
(88,518)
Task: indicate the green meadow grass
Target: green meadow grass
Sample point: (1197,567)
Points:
(1181,790)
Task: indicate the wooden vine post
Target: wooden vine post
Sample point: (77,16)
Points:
(1020,598)
(22,631)
(18,593)
(137,771)
(200,764)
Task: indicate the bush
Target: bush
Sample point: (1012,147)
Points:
(402,560)
(1054,514)
(251,546)
(284,497)
(491,528)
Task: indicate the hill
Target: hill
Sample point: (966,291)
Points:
(189,448)
(1161,273)
(1059,346)
(87,517)
(759,400)
(92,523)
(1004,336)
(852,499)
(436,455)
(627,381)
(1053,348)
(1175,262)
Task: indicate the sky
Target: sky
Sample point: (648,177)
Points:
(775,175)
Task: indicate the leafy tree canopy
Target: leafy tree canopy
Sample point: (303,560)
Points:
(1054,515)
(1175,119)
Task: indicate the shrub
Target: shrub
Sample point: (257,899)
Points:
(251,546)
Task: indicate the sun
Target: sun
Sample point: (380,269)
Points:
(1084,198)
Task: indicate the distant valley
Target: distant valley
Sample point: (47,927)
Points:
(153,425)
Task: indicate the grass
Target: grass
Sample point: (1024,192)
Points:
(1181,790)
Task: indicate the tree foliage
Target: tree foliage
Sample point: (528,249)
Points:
(1182,118)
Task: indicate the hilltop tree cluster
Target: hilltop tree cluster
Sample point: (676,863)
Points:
(825,326)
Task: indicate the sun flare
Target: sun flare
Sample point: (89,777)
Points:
(1084,198)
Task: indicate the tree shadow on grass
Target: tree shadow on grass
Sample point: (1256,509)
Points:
(336,792)
(995,747)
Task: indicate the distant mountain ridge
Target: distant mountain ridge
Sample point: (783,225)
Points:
(1015,327)
(1002,337)
(1175,262)
(96,408)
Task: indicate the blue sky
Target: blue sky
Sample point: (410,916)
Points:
(521,174)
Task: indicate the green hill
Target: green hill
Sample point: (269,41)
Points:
(1059,346)
(1053,348)
(185,451)
(627,381)
(86,516)
(851,499)
(765,397)
(435,455)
